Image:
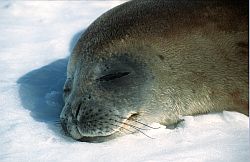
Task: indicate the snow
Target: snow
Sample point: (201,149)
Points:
(36,40)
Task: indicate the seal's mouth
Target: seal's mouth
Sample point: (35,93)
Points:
(117,133)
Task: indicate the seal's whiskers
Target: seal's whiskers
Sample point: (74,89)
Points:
(131,119)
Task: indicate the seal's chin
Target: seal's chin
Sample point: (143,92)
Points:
(76,133)
(98,139)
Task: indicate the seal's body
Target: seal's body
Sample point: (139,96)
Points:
(154,61)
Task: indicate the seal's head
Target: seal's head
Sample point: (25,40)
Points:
(108,80)
(102,94)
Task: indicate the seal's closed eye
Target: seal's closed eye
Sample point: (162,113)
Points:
(113,76)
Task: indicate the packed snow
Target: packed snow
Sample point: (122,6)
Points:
(35,42)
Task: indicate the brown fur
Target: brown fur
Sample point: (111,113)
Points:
(197,51)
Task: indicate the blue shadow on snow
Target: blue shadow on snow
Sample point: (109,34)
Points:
(41,89)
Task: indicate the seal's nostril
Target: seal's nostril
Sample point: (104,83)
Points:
(78,109)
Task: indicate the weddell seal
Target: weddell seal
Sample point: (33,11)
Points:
(153,61)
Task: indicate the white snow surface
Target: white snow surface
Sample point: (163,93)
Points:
(36,39)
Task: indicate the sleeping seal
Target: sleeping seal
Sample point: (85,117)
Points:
(153,61)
